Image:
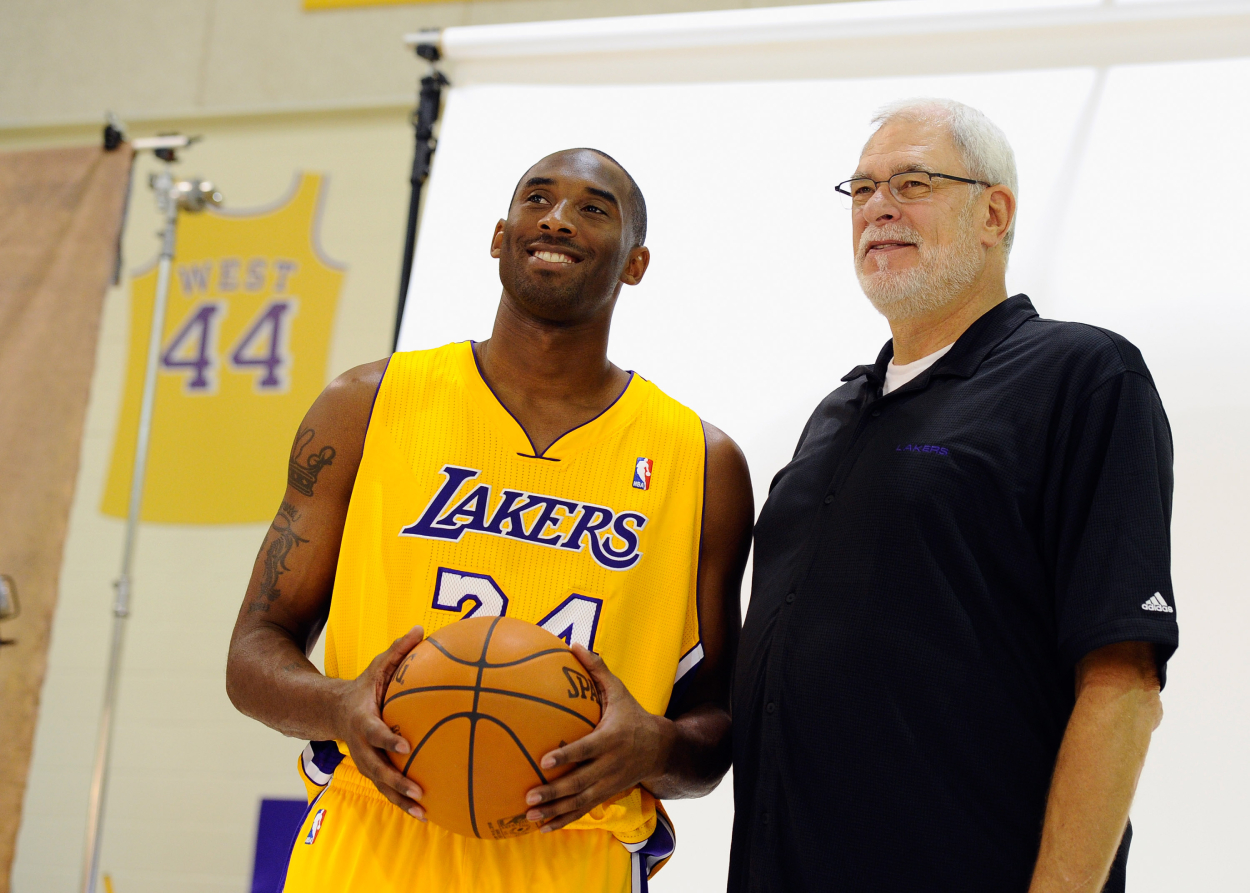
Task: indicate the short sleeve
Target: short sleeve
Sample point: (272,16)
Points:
(1108,512)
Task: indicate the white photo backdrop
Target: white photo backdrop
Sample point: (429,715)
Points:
(1129,219)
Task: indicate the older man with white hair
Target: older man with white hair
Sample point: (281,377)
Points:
(962,609)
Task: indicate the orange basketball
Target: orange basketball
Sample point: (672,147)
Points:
(481,701)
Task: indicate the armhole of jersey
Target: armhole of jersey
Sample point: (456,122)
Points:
(373,405)
(691,660)
(364,445)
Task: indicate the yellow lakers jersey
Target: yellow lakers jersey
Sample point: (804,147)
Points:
(454,515)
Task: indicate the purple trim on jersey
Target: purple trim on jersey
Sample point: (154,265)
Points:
(680,685)
(477,599)
(312,804)
(659,846)
(326,756)
(478,366)
(538,455)
(588,421)
(682,682)
(698,616)
(594,624)
(377,391)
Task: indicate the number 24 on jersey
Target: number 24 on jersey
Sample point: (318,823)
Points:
(575,620)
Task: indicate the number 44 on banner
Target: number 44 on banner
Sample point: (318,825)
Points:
(244,354)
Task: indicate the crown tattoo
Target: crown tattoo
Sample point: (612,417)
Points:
(302,470)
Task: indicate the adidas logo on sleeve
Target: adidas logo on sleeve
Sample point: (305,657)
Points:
(1156,603)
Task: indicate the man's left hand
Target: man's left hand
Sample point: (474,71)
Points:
(628,746)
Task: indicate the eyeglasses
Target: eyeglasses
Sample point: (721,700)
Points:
(908,186)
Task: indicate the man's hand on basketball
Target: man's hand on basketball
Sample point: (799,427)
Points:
(628,746)
(368,738)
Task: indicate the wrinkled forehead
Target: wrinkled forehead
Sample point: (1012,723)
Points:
(578,169)
(902,145)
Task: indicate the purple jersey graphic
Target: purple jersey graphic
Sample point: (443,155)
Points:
(612,537)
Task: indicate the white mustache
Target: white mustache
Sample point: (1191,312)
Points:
(899,232)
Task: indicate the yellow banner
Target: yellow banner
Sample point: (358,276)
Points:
(343,4)
(244,353)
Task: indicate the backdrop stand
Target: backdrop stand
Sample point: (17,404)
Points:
(171,197)
(424,118)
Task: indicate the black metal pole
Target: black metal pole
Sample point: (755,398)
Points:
(424,117)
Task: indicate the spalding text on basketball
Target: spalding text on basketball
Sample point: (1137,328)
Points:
(581,685)
(460,506)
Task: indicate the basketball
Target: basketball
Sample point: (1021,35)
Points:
(481,701)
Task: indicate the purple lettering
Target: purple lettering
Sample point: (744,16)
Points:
(547,518)
(932,448)
(256,269)
(509,511)
(593,519)
(228,274)
(262,346)
(194,278)
(613,540)
(620,559)
(427,525)
(192,348)
(282,272)
(472,508)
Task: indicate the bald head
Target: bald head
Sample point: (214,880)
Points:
(627,194)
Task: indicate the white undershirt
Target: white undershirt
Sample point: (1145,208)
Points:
(897,376)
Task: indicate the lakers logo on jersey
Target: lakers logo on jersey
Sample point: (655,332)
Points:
(611,536)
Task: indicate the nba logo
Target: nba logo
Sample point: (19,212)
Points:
(642,474)
(316,826)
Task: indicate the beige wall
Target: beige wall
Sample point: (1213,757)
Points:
(66,61)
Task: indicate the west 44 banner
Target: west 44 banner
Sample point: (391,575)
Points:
(243,355)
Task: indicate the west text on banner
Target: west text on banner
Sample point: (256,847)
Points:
(244,353)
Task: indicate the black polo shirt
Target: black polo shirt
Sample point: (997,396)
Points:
(929,568)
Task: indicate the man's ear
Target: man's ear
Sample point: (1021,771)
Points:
(1000,211)
(496,241)
(636,266)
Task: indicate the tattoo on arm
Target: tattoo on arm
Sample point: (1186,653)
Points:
(275,557)
(302,470)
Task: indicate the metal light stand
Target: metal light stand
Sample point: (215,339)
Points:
(172,196)
(424,117)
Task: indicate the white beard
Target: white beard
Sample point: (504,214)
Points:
(936,280)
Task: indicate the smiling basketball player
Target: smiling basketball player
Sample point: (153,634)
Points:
(529,476)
